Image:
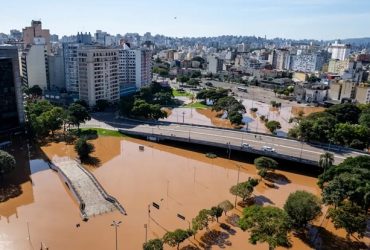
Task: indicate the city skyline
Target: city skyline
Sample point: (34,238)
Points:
(298,19)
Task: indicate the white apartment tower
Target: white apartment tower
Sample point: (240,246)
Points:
(98,74)
(34,62)
(339,51)
(135,69)
(71,66)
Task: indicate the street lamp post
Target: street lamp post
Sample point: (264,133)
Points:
(115,224)
(237,182)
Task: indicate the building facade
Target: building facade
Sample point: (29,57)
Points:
(56,70)
(98,74)
(307,63)
(363,93)
(339,51)
(34,61)
(11,100)
(215,64)
(34,31)
(135,69)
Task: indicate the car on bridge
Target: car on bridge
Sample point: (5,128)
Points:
(246,145)
(268,149)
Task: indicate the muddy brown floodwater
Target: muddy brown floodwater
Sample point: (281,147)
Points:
(180,181)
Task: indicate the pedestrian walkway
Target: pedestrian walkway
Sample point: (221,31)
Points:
(90,194)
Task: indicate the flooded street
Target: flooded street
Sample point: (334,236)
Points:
(180,181)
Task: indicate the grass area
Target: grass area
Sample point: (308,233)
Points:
(197,105)
(104,132)
(175,92)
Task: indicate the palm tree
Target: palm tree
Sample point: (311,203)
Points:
(326,160)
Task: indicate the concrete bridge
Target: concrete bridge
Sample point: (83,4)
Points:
(91,196)
(288,149)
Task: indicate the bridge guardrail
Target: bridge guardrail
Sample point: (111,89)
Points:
(316,144)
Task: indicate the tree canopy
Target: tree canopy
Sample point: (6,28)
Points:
(78,114)
(302,207)
(155,244)
(226,206)
(266,225)
(343,124)
(273,126)
(244,189)
(175,238)
(264,165)
(7,163)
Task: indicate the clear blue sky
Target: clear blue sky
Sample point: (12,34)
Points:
(318,19)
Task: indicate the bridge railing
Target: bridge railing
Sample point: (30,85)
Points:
(218,144)
(324,146)
(71,186)
(102,191)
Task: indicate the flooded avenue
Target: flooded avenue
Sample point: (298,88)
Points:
(180,181)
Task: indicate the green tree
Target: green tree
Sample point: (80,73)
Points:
(193,82)
(176,238)
(351,217)
(155,244)
(53,119)
(326,160)
(346,112)
(302,207)
(83,148)
(226,206)
(273,126)
(35,91)
(266,225)
(364,119)
(201,221)
(125,105)
(82,103)
(7,163)
(78,114)
(183,79)
(264,165)
(216,212)
(348,180)
(235,117)
(244,189)
(101,105)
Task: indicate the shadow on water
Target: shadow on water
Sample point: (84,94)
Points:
(327,241)
(262,200)
(92,161)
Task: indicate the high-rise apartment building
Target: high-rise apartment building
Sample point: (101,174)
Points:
(135,69)
(363,93)
(35,31)
(56,70)
(34,61)
(282,59)
(307,63)
(11,100)
(98,74)
(339,51)
(71,62)
(215,64)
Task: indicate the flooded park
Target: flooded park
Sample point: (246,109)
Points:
(38,211)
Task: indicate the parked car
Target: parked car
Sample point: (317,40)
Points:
(246,145)
(268,149)
(209,84)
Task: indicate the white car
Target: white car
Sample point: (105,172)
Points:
(268,149)
(246,145)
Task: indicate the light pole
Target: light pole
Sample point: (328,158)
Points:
(237,182)
(115,224)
